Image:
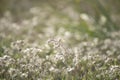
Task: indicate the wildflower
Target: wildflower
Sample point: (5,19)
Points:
(113,67)
(54,70)
(13,72)
(24,75)
(6,57)
(69,69)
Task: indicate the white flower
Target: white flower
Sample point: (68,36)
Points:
(69,69)
(113,67)
(52,69)
(24,75)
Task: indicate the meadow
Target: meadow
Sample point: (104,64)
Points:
(60,40)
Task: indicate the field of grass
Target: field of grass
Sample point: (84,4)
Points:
(59,44)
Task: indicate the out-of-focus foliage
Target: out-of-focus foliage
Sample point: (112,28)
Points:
(95,9)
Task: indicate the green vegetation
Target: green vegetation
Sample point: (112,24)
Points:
(59,40)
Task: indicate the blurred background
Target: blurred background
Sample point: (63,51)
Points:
(72,20)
